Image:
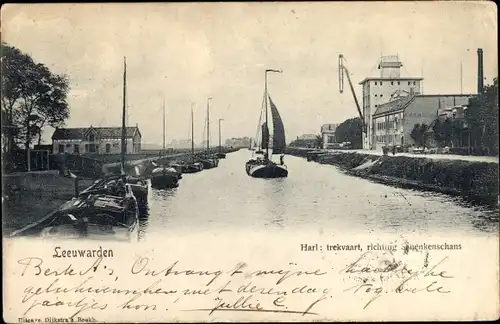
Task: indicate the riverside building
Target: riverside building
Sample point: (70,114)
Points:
(380,90)
(394,121)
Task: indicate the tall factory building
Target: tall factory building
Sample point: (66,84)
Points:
(390,85)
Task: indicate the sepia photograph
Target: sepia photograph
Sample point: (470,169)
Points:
(250,161)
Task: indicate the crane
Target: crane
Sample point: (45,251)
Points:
(343,69)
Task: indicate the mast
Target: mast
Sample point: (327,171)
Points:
(208,124)
(192,131)
(265,98)
(265,95)
(123,114)
(163,126)
(220,143)
(461,79)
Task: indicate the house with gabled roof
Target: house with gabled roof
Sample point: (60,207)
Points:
(393,121)
(328,135)
(96,140)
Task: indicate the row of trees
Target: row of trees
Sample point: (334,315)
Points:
(32,98)
(478,128)
(350,131)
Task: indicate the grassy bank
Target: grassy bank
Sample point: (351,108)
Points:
(30,196)
(477,181)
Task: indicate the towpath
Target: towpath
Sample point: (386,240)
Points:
(472,158)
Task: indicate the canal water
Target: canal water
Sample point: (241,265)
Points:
(314,197)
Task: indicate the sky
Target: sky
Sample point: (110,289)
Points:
(183,53)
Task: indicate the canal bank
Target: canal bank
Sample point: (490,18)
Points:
(141,165)
(473,180)
(28,196)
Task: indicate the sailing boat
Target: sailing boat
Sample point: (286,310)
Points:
(163,177)
(139,186)
(193,166)
(266,168)
(207,159)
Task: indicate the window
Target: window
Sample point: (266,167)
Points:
(376,106)
(392,82)
(380,82)
(91,138)
(375,82)
(381,95)
(76,148)
(414,82)
(108,148)
(61,148)
(398,83)
(409,82)
(115,145)
(375,96)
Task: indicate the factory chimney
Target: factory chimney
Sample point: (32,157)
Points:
(480,76)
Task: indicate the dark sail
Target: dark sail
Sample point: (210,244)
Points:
(279,142)
(265,136)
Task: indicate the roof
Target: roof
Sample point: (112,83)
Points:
(393,105)
(391,79)
(403,102)
(103,132)
(328,127)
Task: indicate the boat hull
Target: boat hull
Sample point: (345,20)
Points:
(221,155)
(192,168)
(209,163)
(165,181)
(266,170)
(93,216)
(140,191)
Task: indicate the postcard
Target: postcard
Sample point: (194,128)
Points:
(244,161)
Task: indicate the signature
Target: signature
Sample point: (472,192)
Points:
(249,304)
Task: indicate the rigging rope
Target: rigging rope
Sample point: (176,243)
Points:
(262,108)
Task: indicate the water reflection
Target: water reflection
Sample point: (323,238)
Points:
(276,206)
(163,193)
(143,221)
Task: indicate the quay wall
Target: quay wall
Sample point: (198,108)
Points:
(475,181)
(27,196)
(144,165)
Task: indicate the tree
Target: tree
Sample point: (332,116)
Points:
(418,134)
(482,118)
(350,131)
(319,141)
(32,97)
(442,131)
